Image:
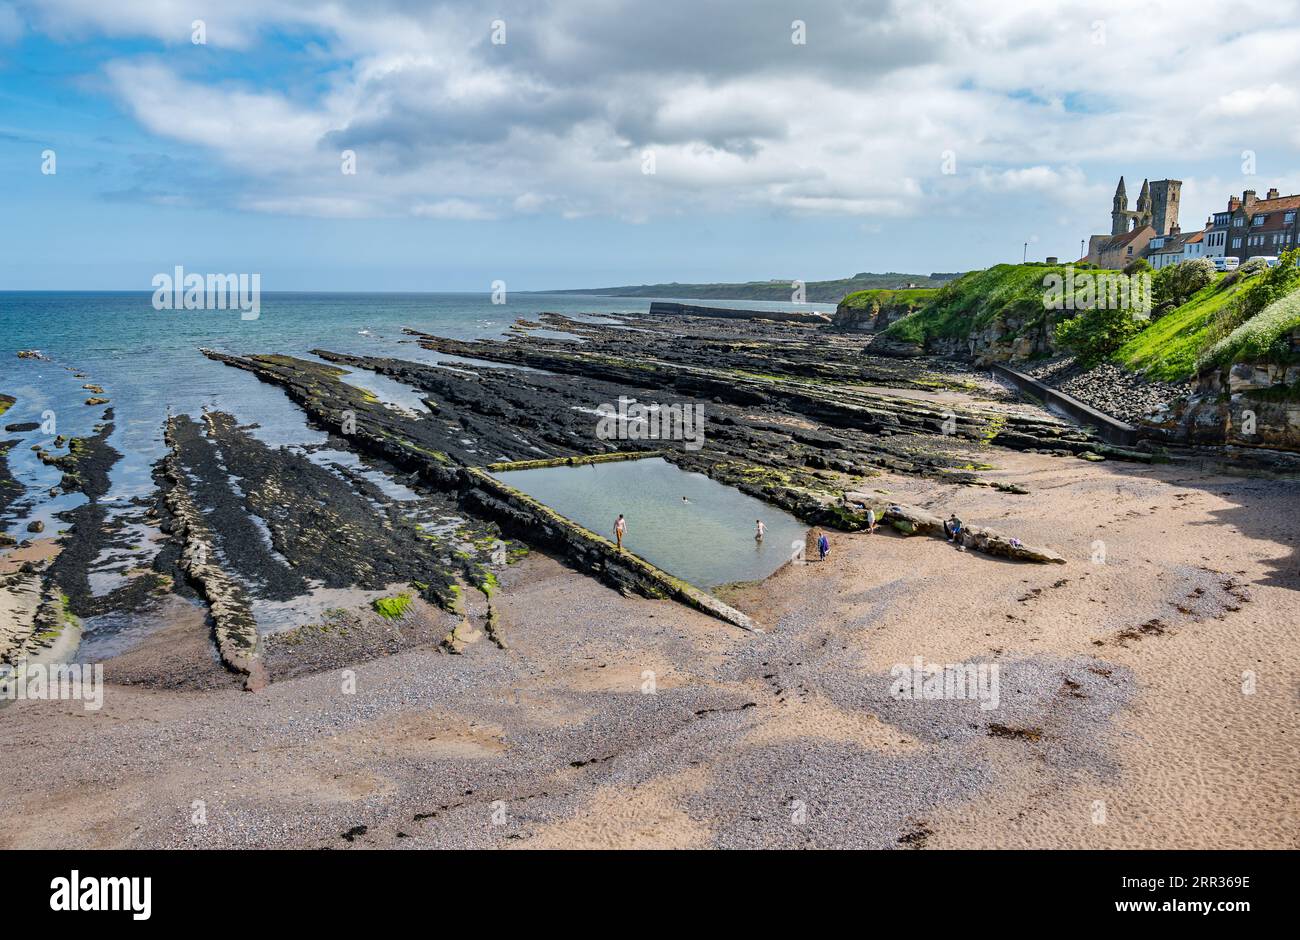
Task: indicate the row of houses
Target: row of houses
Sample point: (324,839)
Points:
(1249,227)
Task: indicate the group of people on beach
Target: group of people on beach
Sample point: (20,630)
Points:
(760,530)
(952,531)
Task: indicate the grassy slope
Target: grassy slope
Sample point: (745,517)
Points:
(1168,349)
(1261,336)
(912,298)
(976,299)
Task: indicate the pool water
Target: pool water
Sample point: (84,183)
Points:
(708,539)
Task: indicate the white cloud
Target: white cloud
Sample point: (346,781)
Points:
(1028,97)
(458,209)
(1245,102)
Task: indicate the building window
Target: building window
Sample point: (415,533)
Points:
(1236,243)
(1289,217)
(1258,220)
(1238,222)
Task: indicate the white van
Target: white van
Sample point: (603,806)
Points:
(1270,260)
(1226,263)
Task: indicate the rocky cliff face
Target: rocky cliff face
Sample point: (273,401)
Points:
(1007,338)
(871,318)
(1248,404)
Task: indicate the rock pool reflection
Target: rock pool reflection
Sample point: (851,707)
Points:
(706,539)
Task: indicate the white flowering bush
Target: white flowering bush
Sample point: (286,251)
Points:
(1264,336)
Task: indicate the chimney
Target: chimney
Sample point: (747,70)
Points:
(1248,198)
(1272,193)
(1233,203)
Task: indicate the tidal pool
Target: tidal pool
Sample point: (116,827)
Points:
(706,539)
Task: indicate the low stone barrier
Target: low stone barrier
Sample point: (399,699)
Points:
(519,514)
(1109,429)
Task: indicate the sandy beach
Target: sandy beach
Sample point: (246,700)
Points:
(615,721)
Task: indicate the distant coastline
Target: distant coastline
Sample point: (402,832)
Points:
(829,292)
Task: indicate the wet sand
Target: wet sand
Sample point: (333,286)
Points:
(623,722)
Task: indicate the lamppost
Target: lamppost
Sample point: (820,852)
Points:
(1025,256)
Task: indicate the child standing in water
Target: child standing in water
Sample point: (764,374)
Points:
(620,528)
(759,529)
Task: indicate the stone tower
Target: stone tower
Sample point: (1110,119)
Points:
(1119,210)
(1142,217)
(1164,206)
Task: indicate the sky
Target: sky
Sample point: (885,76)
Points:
(581,143)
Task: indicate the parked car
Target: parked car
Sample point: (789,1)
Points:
(1226,263)
(1270,260)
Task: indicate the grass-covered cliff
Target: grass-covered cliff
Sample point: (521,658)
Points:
(1198,322)
(876,308)
(1170,348)
(907,298)
(976,300)
(1265,337)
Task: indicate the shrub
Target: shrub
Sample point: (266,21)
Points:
(1138,266)
(1275,284)
(1097,334)
(1174,285)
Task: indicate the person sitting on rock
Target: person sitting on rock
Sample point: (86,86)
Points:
(952,528)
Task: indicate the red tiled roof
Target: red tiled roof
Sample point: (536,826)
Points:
(1119,241)
(1274,205)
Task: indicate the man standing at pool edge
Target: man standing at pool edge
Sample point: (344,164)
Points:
(620,528)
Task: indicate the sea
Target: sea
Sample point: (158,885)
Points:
(149,364)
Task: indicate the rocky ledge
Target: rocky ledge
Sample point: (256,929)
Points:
(234,628)
(795,416)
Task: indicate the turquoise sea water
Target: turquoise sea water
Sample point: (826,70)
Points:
(148,363)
